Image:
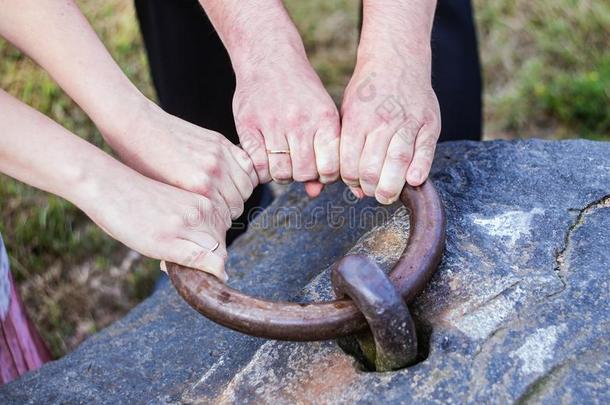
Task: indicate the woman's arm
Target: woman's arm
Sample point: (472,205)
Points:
(155,219)
(57,35)
(59,38)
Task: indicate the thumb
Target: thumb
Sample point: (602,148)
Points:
(357,191)
(190,254)
(313,188)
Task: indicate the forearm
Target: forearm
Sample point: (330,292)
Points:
(255,31)
(60,39)
(39,152)
(397,26)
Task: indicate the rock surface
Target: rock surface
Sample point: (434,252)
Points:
(519,309)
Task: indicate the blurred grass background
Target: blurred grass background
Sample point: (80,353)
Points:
(546,74)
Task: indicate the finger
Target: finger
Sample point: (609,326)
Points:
(210,240)
(191,254)
(231,196)
(253,143)
(280,164)
(371,161)
(313,188)
(394,172)
(245,162)
(357,191)
(240,178)
(302,156)
(350,150)
(207,216)
(326,148)
(425,144)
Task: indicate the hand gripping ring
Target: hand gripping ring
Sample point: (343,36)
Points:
(324,320)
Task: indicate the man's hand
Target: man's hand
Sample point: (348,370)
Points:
(390,114)
(173,151)
(280,104)
(391,122)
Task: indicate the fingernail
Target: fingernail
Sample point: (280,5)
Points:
(358,193)
(163,266)
(416,175)
(383,200)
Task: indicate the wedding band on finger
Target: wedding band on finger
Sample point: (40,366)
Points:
(278,152)
(215,247)
(163,264)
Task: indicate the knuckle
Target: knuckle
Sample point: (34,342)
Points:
(296,116)
(370,176)
(244,118)
(261,165)
(282,175)
(349,175)
(386,193)
(281,168)
(429,116)
(201,185)
(328,170)
(304,164)
(427,148)
(329,114)
(250,141)
(213,168)
(305,175)
(412,124)
(399,155)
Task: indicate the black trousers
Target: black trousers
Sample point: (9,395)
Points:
(194,79)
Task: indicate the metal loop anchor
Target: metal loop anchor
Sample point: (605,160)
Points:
(323,320)
(392,328)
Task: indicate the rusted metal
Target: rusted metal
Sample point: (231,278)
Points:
(325,320)
(392,328)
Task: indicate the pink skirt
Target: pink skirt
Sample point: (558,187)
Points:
(21,347)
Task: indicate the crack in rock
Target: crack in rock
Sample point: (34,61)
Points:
(560,257)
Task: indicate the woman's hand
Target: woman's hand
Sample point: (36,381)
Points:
(157,220)
(173,151)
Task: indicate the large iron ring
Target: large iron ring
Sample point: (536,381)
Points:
(325,320)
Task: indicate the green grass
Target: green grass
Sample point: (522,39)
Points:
(546,67)
(67,267)
(546,73)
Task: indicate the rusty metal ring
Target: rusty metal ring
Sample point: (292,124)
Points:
(324,320)
(393,332)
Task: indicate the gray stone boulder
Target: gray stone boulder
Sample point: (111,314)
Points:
(518,311)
